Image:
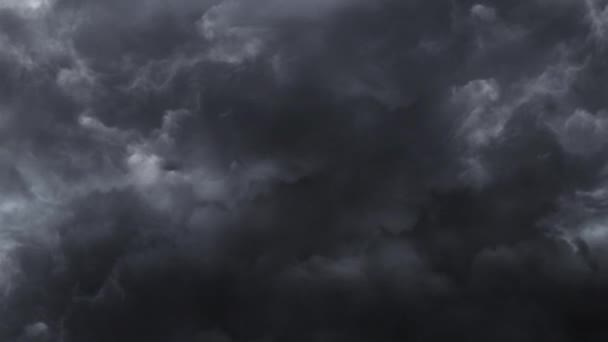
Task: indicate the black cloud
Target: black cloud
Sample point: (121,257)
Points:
(303,170)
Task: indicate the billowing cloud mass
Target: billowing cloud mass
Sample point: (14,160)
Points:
(303,170)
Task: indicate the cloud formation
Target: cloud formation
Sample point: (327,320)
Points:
(293,170)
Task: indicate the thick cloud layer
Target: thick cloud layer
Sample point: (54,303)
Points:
(303,170)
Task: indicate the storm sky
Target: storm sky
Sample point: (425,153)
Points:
(303,170)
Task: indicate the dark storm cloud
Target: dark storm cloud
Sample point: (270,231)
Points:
(302,170)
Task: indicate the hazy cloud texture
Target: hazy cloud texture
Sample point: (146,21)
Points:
(303,170)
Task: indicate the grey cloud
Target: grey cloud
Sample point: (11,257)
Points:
(482,12)
(302,170)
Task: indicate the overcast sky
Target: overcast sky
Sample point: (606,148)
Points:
(303,170)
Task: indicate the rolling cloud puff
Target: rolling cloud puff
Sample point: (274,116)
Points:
(291,170)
